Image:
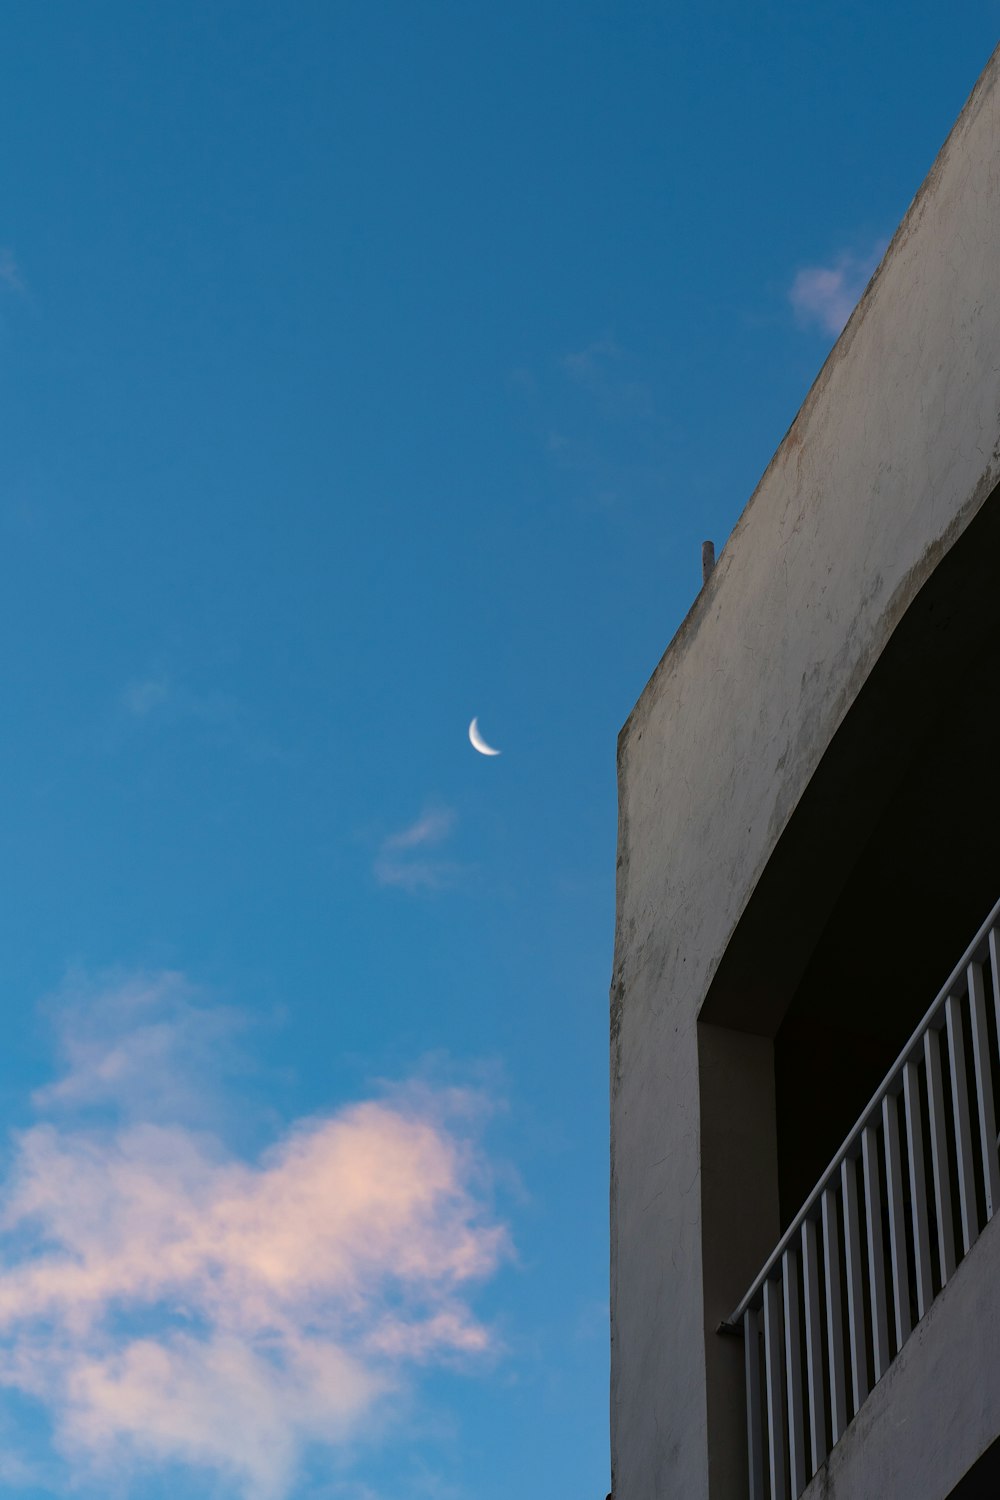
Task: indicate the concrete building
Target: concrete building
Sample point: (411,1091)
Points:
(804,1066)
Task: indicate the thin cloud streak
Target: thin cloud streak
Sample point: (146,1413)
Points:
(161,698)
(159,703)
(395,864)
(433,826)
(168,1301)
(10,273)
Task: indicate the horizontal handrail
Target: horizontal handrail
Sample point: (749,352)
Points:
(975,953)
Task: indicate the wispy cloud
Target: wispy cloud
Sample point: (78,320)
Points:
(600,416)
(604,369)
(168,1301)
(825,296)
(160,701)
(430,828)
(145,696)
(590,364)
(163,698)
(399,864)
(144,1045)
(10,272)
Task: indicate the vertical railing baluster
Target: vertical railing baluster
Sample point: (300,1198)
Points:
(939,1154)
(793,1372)
(774,1378)
(834,1316)
(814,1343)
(963,1129)
(994,946)
(876,1252)
(985,1103)
(918,1187)
(798,1332)
(897,1219)
(995,971)
(855,1289)
(755,1425)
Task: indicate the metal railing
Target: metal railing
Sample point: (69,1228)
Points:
(880,1235)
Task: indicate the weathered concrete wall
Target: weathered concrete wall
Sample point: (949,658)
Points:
(893,453)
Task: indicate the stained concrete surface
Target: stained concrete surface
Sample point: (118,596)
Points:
(895,451)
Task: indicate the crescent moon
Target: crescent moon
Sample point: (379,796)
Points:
(478,743)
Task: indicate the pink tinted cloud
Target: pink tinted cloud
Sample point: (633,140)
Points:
(144,1044)
(168,1301)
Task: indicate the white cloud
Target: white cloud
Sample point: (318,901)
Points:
(396,865)
(430,828)
(168,1301)
(825,296)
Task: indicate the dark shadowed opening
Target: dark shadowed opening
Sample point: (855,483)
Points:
(885,870)
(982,1482)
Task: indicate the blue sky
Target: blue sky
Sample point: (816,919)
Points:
(367,367)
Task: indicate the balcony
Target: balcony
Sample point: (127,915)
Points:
(879,1237)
